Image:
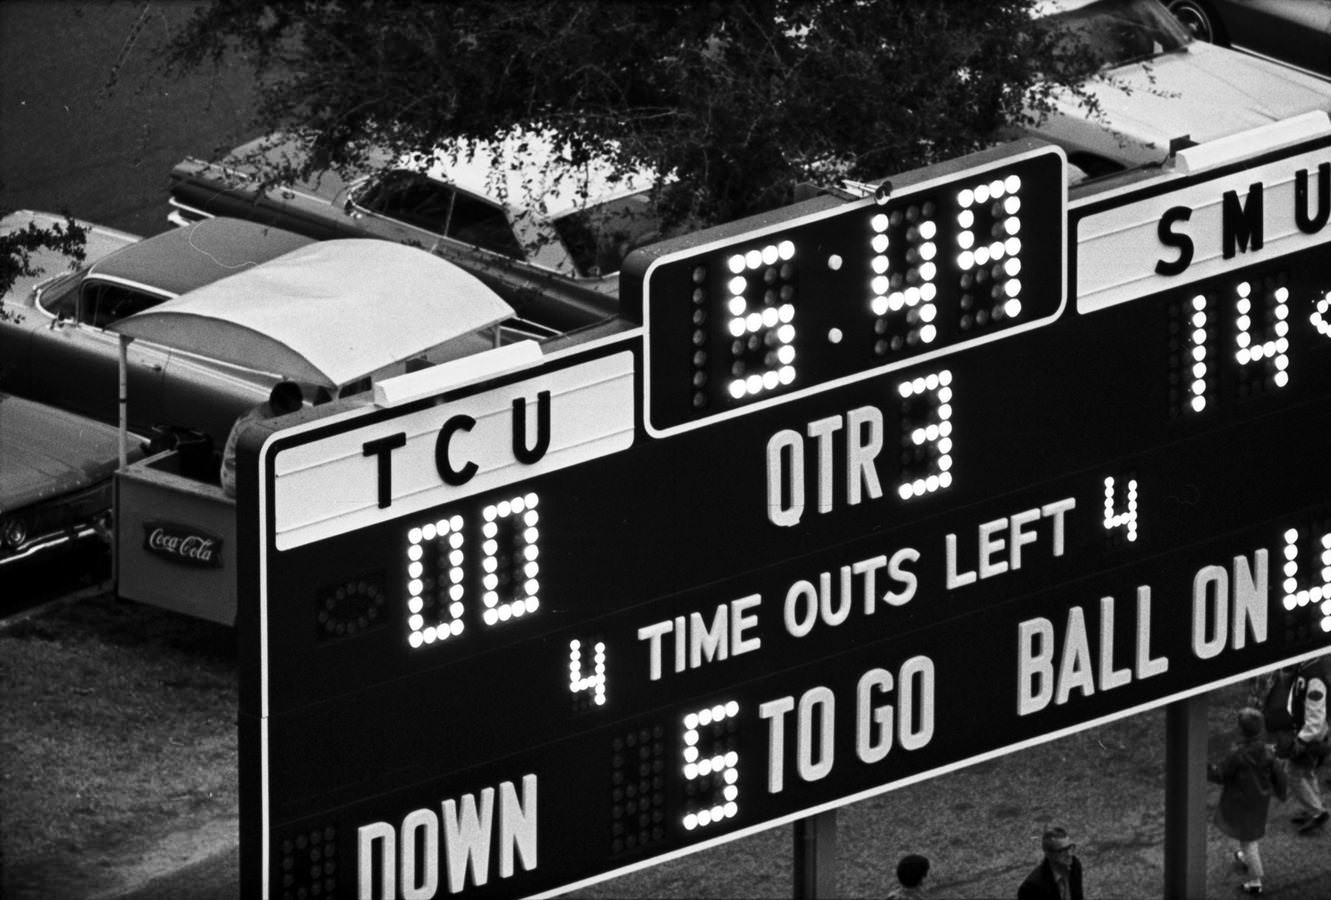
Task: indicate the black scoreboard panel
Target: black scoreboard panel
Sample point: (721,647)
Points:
(753,616)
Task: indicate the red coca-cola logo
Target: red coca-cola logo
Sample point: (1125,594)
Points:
(182,544)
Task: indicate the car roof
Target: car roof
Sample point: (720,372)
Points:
(46,451)
(523,173)
(327,314)
(183,259)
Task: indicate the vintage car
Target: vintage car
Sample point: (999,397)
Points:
(55,477)
(1294,32)
(55,347)
(1159,86)
(547,236)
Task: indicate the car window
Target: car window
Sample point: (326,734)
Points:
(409,197)
(1118,32)
(476,222)
(105,303)
(599,237)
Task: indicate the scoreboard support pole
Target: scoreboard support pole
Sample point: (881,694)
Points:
(1185,798)
(815,848)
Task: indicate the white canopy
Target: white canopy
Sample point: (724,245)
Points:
(326,314)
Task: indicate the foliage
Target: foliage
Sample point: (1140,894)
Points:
(740,101)
(18,247)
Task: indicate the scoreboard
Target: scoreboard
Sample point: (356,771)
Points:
(869,493)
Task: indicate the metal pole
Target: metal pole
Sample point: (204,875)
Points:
(815,856)
(1185,799)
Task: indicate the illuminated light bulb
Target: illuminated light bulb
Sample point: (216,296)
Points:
(1243,323)
(531,535)
(879,265)
(981,256)
(737,306)
(505,613)
(1013,246)
(416,622)
(754,383)
(896,301)
(432,634)
(414,536)
(490,547)
(455,540)
(531,500)
(1198,404)
(1199,353)
(965,260)
(927,250)
(1013,287)
(996,251)
(1012,307)
(786,374)
(414,552)
(428,531)
(456,592)
(904,389)
(737,285)
(737,389)
(415,605)
(878,222)
(753,259)
(753,322)
(455,610)
(1011,205)
(785,354)
(415,639)
(918,486)
(770,380)
(532,604)
(928,312)
(1199,320)
(966,218)
(879,243)
(944,463)
(786,312)
(1012,183)
(490,582)
(928,229)
(879,284)
(981,193)
(455,523)
(931,483)
(965,197)
(770,317)
(1281,379)
(1243,289)
(911,295)
(1012,224)
(918,385)
(730,792)
(1198,337)
(770,255)
(1012,267)
(928,333)
(489,563)
(786,250)
(904,491)
(735,264)
(1282,328)
(996,188)
(736,327)
(1243,306)
(704,817)
(1199,387)
(1199,302)
(690,822)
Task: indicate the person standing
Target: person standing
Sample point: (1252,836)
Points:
(1296,719)
(911,870)
(1249,774)
(1058,876)
(284,398)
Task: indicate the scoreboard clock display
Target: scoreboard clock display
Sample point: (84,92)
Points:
(564,621)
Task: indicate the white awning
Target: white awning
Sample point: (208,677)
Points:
(327,314)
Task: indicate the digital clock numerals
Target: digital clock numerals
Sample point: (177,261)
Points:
(760,321)
(711,768)
(1258,342)
(1316,589)
(446,570)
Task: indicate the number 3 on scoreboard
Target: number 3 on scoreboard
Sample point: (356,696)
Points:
(720,770)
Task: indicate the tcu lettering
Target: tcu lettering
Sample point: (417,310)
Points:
(454,471)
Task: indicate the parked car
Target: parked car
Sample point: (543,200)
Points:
(1157,84)
(367,304)
(55,477)
(55,347)
(1294,32)
(547,236)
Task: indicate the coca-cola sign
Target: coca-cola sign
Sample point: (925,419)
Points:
(183,544)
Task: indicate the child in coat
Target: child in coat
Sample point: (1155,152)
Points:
(1249,775)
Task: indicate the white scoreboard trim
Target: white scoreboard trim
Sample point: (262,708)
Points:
(329,487)
(1117,250)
